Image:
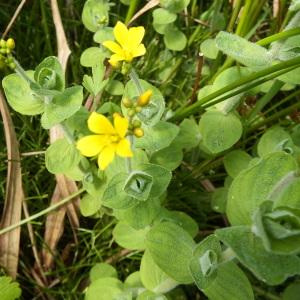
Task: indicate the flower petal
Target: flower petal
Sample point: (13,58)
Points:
(98,123)
(121,125)
(115,58)
(121,34)
(135,37)
(113,47)
(139,51)
(106,156)
(124,149)
(91,145)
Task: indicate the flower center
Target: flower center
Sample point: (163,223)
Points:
(114,138)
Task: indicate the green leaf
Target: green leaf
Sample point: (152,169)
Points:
(219,200)
(153,278)
(266,266)
(174,6)
(219,138)
(115,87)
(257,184)
(9,290)
(279,228)
(273,140)
(157,137)
(138,185)
(288,195)
(102,270)
(148,295)
(171,247)
(169,157)
(243,51)
(140,215)
(89,205)
(95,14)
(115,196)
(294,6)
(61,156)
(161,178)
(163,16)
(181,219)
(161,28)
(62,106)
(109,108)
(209,48)
(20,97)
(236,161)
(189,135)
(49,74)
(94,186)
(174,38)
(292,291)
(104,34)
(109,288)
(128,237)
(91,57)
(204,263)
(152,113)
(230,284)
(95,84)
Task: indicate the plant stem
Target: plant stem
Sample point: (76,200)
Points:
(134,77)
(267,295)
(131,10)
(278,36)
(234,15)
(284,66)
(20,71)
(42,212)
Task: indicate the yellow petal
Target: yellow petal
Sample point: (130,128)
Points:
(121,125)
(91,145)
(115,58)
(135,37)
(106,156)
(100,124)
(124,149)
(121,34)
(139,51)
(113,47)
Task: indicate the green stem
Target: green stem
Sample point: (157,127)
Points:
(131,10)
(265,294)
(134,77)
(234,15)
(284,66)
(278,36)
(276,116)
(275,88)
(20,71)
(41,213)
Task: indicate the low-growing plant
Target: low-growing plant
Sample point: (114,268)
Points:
(124,142)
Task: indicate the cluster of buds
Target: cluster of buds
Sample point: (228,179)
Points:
(6,58)
(134,108)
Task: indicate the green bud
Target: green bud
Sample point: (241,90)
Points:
(2,50)
(131,113)
(138,109)
(136,123)
(12,65)
(8,51)
(2,43)
(127,102)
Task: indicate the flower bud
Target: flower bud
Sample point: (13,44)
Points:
(144,99)
(127,102)
(10,43)
(2,43)
(131,113)
(138,109)
(136,123)
(138,132)
(12,65)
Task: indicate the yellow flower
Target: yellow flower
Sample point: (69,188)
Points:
(108,140)
(129,43)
